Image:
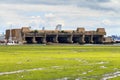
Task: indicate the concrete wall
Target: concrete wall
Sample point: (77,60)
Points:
(15,35)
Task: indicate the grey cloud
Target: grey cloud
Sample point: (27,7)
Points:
(95,5)
(52,2)
(97,0)
(91,4)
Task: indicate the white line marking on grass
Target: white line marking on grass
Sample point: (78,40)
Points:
(84,73)
(102,62)
(103,67)
(20,71)
(90,71)
(111,75)
(55,66)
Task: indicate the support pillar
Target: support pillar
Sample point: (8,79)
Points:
(24,41)
(82,39)
(101,39)
(91,39)
(56,39)
(44,39)
(70,39)
(34,40)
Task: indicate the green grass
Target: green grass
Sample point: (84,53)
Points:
(58,62)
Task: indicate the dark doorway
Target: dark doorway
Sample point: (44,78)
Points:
(29,40)
(96,39)
(39,40)
(87,38)
(76,39)
(50,38)
(62,40)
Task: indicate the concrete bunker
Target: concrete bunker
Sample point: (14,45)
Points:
(55,36)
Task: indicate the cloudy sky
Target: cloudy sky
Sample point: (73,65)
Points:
(90,14)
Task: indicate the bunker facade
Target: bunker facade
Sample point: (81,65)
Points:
(25,35)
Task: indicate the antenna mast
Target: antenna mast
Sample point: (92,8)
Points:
(58,27)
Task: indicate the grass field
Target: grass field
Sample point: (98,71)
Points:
(61,62)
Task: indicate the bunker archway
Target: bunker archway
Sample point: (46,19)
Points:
(38,39)
(87,38)
(50,38)
(63,39)
(29,40)
(97,39)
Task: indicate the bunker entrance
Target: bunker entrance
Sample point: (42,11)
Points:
(87,39)
(50,38)
(38,39)
(76,39)
(97,39)
(29,40)
(63,39)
